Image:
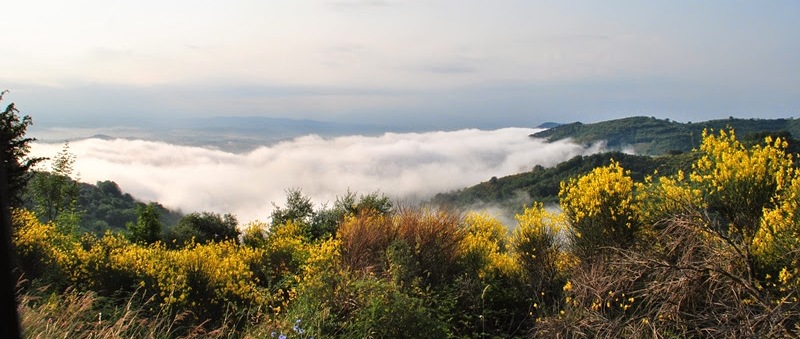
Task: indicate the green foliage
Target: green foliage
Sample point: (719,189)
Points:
(16,165)
(387,312)
(148,226)
(323,223)
(651,136)
(102,206)
(372,203)
(646,135)
(543,184)
(108,208)
(55,193)
(204,227)
(298,209)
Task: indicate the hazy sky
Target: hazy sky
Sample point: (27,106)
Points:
(423,63)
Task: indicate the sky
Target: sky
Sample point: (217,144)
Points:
(420,64)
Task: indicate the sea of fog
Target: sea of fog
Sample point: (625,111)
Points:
(404,166)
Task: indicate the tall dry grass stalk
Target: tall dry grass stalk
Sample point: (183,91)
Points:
(78,314)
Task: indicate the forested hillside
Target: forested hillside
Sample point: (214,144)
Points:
(651,136)
(106,207)
(542,184)
(99,208)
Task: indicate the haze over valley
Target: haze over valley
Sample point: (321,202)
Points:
(404,166)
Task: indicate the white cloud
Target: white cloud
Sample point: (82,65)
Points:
(403,166)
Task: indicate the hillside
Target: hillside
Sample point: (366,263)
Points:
(651,136)
(665,146)
(104,206)
(542,184)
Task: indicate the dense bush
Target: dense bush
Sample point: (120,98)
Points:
(600,209)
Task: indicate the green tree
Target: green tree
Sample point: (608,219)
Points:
(14,175)
(206,227)
(55,193)
(148,226)
(16,164)
(325,222)
(298,209)
(255,234)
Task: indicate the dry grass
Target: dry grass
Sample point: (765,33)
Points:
(686,283)
(434,235)
(365,238)
(77,314)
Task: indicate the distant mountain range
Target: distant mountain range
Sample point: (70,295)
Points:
(234,134)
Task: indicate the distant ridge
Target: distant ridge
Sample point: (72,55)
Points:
(101,137)
(662,145)
(651,136)
(549,125)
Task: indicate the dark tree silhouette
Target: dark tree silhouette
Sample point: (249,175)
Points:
(14,175)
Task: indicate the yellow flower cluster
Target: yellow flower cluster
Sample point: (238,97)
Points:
(739,183)
(727,165)
(612,302)
(485,240)
(666,196)
(779,233)
(323,258)
(600,209)
(43,245)
(215,273)
(537,239)
(606,191)
(286,249)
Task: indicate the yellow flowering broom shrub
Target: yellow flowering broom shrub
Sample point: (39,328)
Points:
(719,259)
(600,209)
(205,279)
(44,251)
(659,198)
(779,233)
(485,248)
(738,183)
(537,248)
(776,244)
